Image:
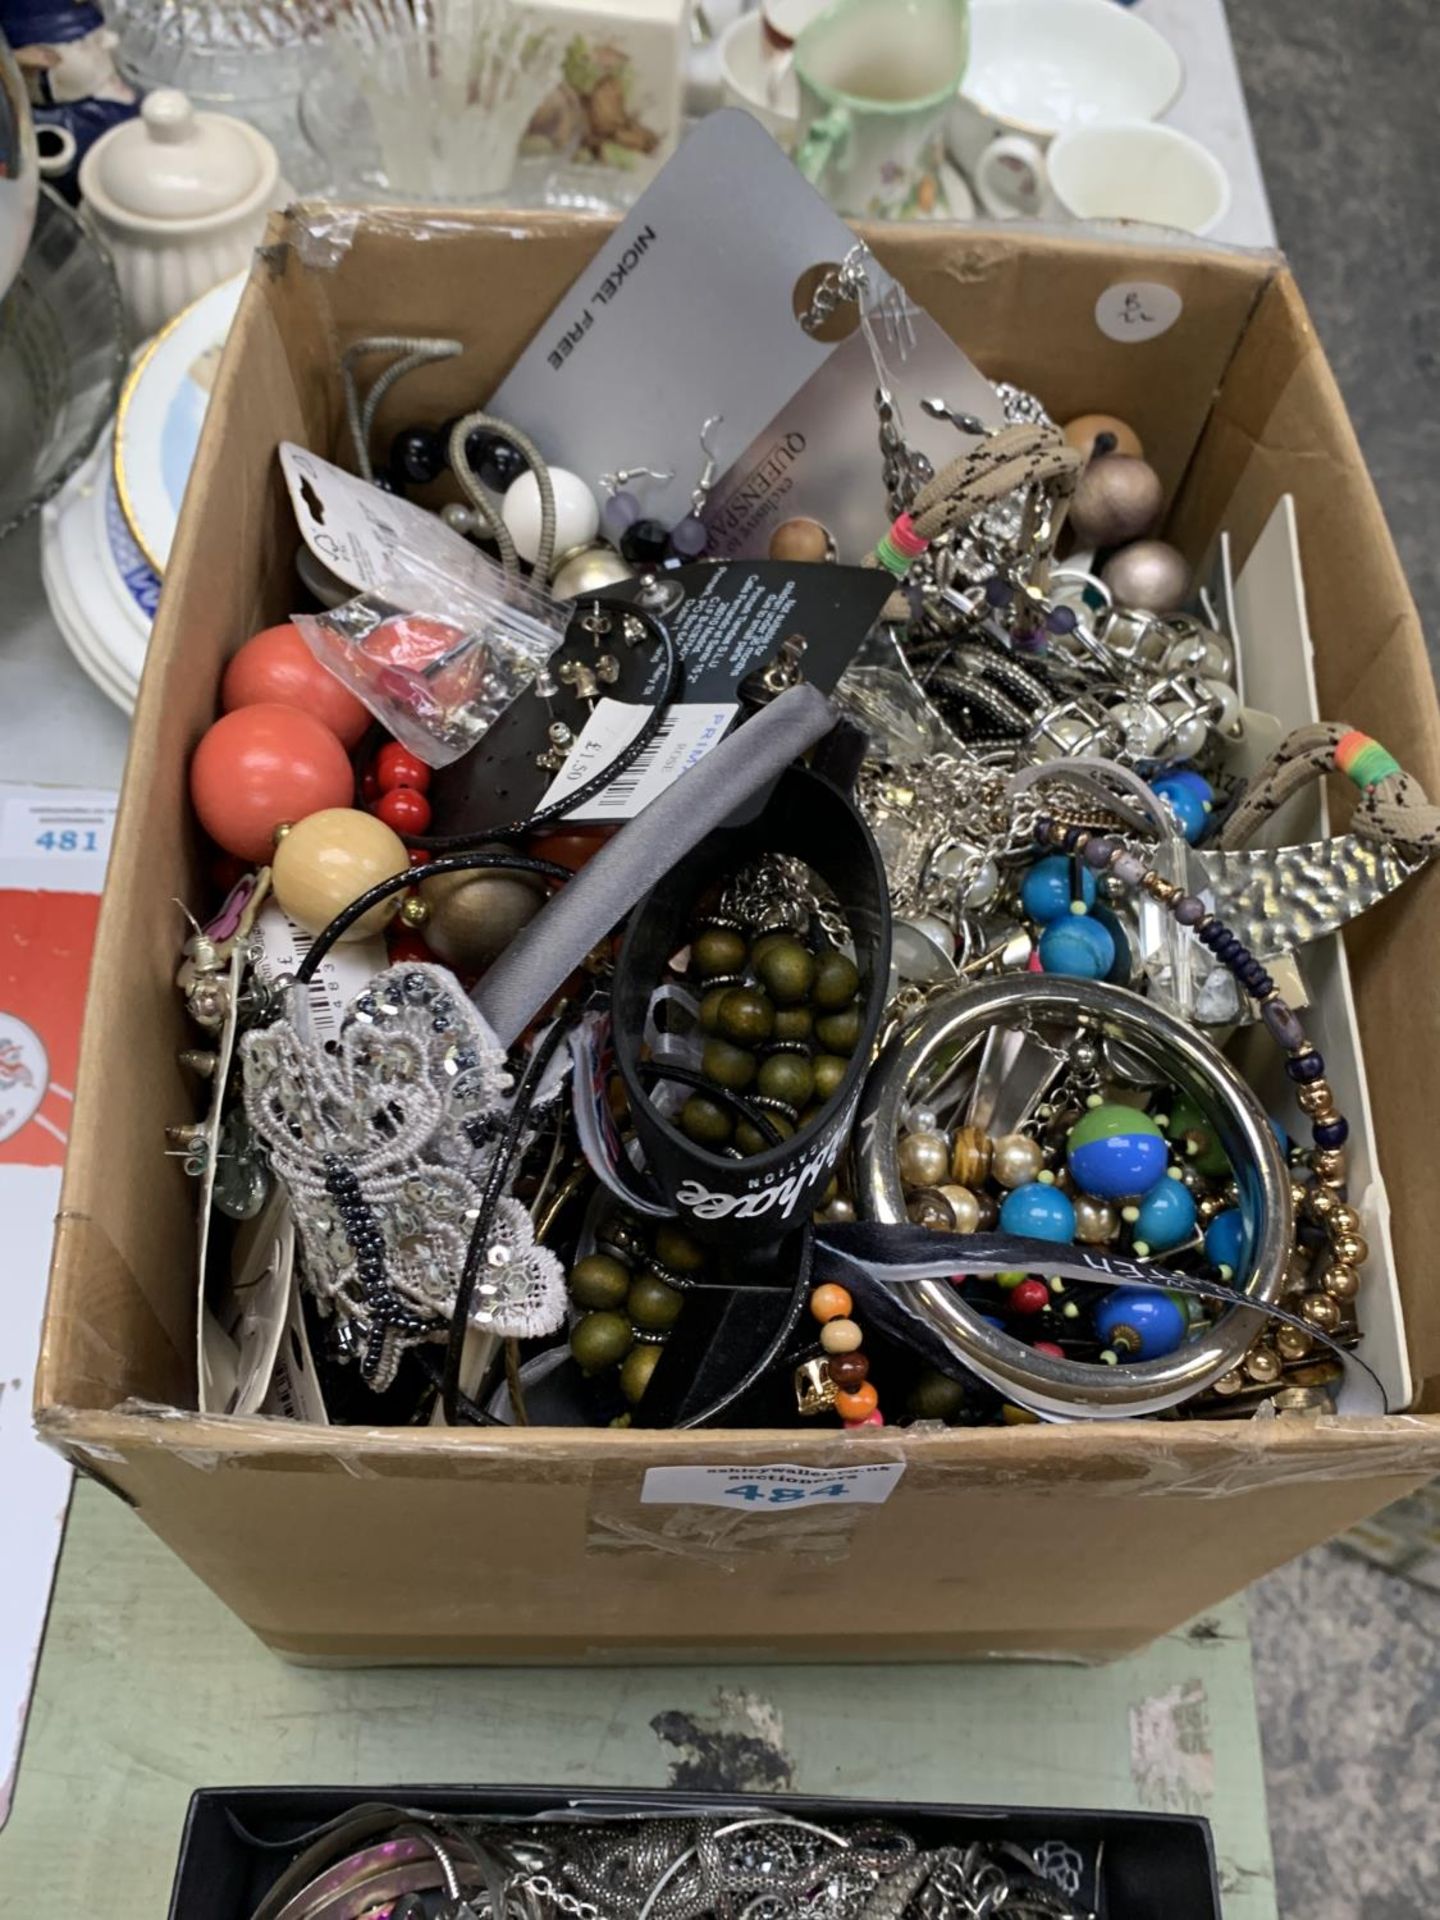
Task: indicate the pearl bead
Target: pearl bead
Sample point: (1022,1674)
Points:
(1150,575)
(331,858)
(1015,1160)
(589,570)
(577,514)
(838,1213)
(1095,1223)
(475,916)
(965,1207)
(1118,498)
(924,1159)
(840,1336)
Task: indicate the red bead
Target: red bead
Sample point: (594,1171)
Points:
(262,767)
(276,665)
(396,766)
(420,856)
(369,788)
(404,810)
(1031,1296)
(405,946)
(1047,1346)
(569,849)
(872,1419)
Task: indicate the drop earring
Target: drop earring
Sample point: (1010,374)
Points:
(645,541)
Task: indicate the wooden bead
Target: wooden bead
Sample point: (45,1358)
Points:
(840,1336)
(970,1157)
(1086,428)
(859,1404)
(848,1370)
(329,859)
(802,540)
(829,1302)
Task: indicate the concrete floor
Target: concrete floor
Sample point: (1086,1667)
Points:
(1347,1659)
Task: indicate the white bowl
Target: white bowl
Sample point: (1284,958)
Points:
(1041,67)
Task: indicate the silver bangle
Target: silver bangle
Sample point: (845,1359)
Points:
(939,1041)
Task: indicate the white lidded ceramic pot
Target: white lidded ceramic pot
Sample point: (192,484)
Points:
(181,199)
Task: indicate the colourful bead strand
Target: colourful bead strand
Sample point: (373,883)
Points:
(901,547)
(1364,760)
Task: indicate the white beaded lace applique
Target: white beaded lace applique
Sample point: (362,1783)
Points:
(383,1139)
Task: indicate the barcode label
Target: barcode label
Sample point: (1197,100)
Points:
(686,734)
(346,970)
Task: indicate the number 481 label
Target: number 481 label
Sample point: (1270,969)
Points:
(771,1489)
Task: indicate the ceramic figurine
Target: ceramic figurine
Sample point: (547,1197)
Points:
(65,53)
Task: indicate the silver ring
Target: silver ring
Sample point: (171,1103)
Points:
(1070,1389)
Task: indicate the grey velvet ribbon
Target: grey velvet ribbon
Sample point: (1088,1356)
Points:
(536,963)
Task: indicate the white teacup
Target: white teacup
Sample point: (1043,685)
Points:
(1136,171)
(757,77)
(1039,68)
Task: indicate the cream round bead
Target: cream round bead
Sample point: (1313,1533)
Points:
(329,859)
(1016,1160)
(577,516)
(840,1336)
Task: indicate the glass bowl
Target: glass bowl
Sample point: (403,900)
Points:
(62,359)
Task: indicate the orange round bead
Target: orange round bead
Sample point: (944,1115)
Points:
(830,1302)
(858,1404)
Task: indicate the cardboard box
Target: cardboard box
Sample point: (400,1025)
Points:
(238,1840)
(423,1544)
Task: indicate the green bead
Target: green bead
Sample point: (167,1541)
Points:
(709,1015)
(600,1340)
(749,1139)
(727,1066)
(677,1251)
(837,981)
(766,942)
(935,1396)
(839,1032)
(718,950)
(787,970)
(830,1071)
(598,1282)
(636,1370)
(788,1077)
(1106,1121)
(1189,1128)
(702,1121)
(651,1304)
(746,1017)
(793,1023)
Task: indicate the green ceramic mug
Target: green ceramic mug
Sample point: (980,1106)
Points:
(877,78)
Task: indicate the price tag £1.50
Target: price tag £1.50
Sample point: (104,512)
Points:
(771,1489)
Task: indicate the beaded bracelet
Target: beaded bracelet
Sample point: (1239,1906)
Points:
(838,1379)
(1323,1307)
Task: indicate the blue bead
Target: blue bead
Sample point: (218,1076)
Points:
(1077,946)
(1188,777)
(1039,1212)
(1049,887)
(1225,1240)
(1186,805)
(1158,1323)
(1167,1216)
(1120,1167)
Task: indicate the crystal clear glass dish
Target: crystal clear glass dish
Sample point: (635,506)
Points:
(62,359)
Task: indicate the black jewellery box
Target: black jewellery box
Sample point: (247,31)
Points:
(1132,1866)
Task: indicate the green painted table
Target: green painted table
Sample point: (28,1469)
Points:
(148,1688)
